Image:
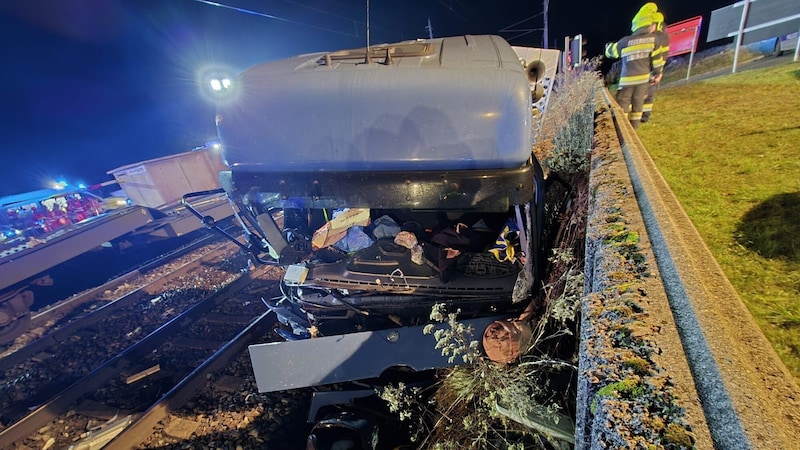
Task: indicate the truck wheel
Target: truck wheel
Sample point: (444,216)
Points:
(776,52)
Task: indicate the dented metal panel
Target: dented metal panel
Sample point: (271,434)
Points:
(280,366)
(161,182)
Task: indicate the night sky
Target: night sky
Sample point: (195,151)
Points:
(91,85)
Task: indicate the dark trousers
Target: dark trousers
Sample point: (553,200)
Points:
(648,101)
(631,99)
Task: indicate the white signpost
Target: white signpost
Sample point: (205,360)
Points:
(754,20)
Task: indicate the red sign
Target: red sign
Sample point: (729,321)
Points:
(683,36)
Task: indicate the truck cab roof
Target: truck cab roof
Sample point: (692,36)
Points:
(452,103)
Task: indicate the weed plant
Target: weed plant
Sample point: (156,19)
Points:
(563,133)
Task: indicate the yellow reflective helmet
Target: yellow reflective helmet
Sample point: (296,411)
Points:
(642,21)
(658,19)
(644,17)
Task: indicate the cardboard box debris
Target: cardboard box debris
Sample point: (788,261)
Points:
(336,229)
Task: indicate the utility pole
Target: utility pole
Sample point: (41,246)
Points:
(429,28)
(367,56)
(545,38)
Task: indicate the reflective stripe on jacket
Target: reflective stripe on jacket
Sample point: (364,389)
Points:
(637,54)
(661,52)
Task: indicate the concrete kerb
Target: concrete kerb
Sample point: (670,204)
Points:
(733,394)
(714,323)
(626,301)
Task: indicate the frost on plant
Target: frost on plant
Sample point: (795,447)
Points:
(454,340)
(467,398)
(564,140)
(564,307)
(401,400)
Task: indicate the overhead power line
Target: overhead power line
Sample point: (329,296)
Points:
(522,31)
(274,17)
(321,11)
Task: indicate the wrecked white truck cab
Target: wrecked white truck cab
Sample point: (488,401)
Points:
(386,181)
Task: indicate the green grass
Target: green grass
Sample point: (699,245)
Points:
(730,149)
(714,60)
(711,60)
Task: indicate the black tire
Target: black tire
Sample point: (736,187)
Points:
(776,52)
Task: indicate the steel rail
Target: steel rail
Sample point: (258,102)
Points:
(60,403)
(144,426)
(67,330)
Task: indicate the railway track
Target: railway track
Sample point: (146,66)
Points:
(146,423)
(148,304)
(91,329)
(57,321)
(148,360)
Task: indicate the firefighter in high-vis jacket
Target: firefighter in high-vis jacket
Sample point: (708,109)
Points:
(662,52)
(639,65)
